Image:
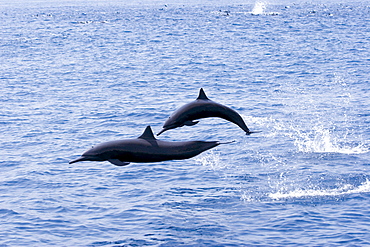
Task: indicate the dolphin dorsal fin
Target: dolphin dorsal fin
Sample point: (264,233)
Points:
(202,95)
(147,134)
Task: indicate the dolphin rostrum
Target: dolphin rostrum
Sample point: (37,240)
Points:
(145,148)
(202,107)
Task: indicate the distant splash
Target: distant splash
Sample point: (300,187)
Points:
(259,8)
(302,193)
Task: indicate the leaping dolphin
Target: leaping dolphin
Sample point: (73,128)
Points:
(145,148)
(202,107)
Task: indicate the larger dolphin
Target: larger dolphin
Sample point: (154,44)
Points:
(202,107)
(145,148)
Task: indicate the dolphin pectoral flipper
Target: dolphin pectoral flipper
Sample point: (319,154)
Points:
(117,162)
(191,123)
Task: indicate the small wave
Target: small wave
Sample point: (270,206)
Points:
(344,190)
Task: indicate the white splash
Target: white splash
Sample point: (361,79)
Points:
(344,190)
(321,140)
(211,160)
(312,138)
(259,8)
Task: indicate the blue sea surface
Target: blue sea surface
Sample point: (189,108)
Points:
(73,76)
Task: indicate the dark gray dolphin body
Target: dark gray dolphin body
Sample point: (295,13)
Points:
(145,148)
(202,107)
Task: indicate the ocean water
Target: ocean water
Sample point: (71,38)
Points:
(73,76)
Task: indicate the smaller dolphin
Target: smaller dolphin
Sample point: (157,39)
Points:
(145,148)
(202,107)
